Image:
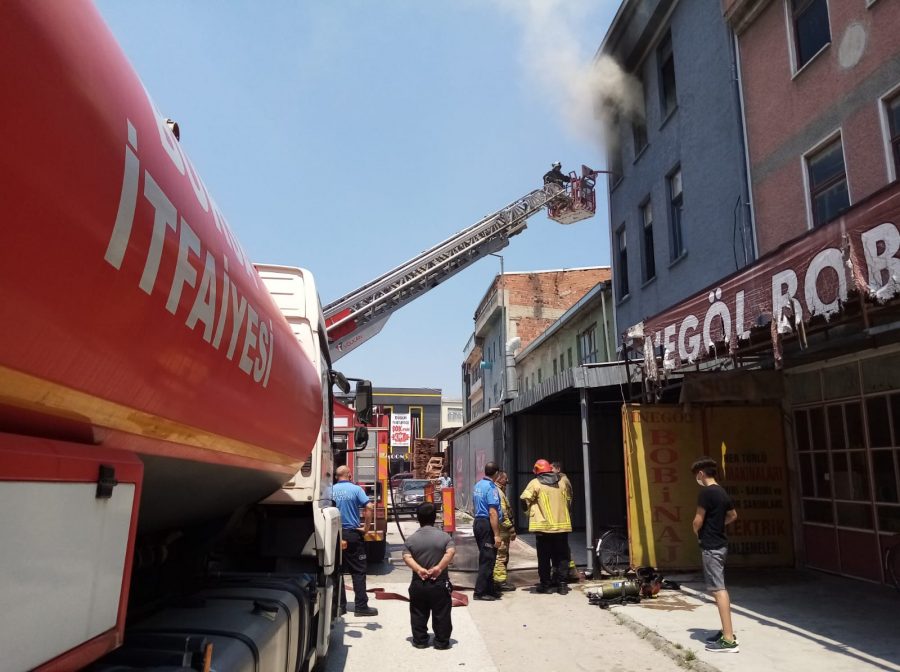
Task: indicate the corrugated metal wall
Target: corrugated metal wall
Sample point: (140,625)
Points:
(471,450)
(558,438)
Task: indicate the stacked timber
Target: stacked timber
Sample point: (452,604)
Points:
(423,452)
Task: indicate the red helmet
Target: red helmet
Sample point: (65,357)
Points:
(542,467)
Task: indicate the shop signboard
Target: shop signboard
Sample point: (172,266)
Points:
(400,430)
(661,443)
(814,276)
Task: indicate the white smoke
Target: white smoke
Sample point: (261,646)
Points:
(590,93)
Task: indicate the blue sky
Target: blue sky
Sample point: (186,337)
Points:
(346,137)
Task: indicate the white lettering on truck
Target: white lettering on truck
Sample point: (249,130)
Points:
(258,343)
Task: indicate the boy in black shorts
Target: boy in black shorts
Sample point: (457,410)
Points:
(714,511)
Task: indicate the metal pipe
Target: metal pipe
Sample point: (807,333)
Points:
(605,328)
(502,291)
(586,456)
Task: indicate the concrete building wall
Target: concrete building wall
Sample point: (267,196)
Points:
(790,111)
(451,413)
(703,135)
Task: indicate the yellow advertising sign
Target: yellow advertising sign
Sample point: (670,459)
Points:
(661,443)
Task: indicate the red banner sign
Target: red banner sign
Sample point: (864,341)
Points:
(813,276)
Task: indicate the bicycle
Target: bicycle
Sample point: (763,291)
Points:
(612,551)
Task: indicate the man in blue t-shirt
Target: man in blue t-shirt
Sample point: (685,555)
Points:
(349,498)
(488,516)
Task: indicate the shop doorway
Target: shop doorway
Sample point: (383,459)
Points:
(846,421)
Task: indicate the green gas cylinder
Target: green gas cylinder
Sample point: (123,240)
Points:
(613,590)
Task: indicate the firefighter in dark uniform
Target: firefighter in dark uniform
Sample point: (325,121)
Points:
(556,176)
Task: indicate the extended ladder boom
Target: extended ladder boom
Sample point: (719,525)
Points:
(356,317)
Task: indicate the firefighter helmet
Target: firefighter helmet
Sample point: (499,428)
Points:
(542,467)
(556,164)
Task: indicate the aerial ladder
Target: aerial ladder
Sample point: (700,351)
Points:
(358,316)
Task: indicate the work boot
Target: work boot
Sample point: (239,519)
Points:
(505,587)
(562,589)
(486,597)
(366,611)
(544,589)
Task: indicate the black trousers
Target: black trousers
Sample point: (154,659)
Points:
(553,557)
(354,564)
(430,598)
(487,556)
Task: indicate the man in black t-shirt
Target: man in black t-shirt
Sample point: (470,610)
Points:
(714,511)
(428,553)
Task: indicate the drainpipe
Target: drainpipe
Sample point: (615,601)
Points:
(586,456)
(747,187)
(605,328)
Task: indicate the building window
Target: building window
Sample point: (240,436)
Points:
(892,107)
(828,194)
(562,363)
(555,369)
(569,357)
(454,414)
(614,159)
(587,345)
(811,30)
(540,377)
(639,127)
(667,94)
(622,251)
(676,199)
(647,241)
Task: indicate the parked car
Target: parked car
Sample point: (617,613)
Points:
(411,493)
(396,479)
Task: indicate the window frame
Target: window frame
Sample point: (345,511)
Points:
(891,141)
(665,52)
(646,276)
(794,40)
(621,240)
(615,163)
(676,224)
(818,148)
(588,337)
(639,123)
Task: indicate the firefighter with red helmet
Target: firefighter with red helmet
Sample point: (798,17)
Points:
(547,504)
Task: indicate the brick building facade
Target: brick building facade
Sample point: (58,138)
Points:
(516,305)
(821,89)
(819,310)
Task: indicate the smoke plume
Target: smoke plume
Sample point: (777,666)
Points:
(590,93)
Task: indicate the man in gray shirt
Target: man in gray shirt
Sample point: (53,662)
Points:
(428,553)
